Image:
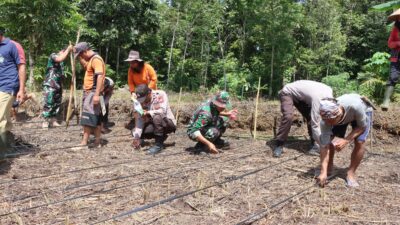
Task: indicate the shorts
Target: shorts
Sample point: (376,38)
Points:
(90,112)
(340,130)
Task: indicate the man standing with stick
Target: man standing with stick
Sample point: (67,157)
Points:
(93,86)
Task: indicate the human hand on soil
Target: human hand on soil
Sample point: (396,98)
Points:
(96,100)
(339,143)
(136,143)
(212,148)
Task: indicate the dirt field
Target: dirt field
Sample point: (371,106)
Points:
(47,181)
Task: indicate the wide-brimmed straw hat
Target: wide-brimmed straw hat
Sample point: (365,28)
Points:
(133,56)
(395,16)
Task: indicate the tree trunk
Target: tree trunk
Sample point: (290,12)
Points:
(107,48)
(31,68)
(272,71)
(170,51)
(118,53)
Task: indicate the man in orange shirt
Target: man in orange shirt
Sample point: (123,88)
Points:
(140,72)
(93,86)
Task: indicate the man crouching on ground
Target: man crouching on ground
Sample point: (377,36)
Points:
(209,122)
(336,115)
(155,121)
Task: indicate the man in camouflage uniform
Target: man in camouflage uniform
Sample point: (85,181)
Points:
(52,86)
(209,122)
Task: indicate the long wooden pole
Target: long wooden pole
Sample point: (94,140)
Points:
(72,94)
(179,106)
(256,111)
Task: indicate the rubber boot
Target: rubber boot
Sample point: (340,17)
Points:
(278,149)
(159,145)
(386,99)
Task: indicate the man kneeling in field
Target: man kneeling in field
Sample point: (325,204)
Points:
(209,122)
(155,120)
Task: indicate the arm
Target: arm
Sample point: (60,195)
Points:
(131,83)
(324,160)
(99,71)
(153,77)
(19,57)
(63,56)
(138,130)
(209,144)
(315,121)
(22,79)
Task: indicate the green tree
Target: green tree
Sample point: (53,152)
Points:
(41,26)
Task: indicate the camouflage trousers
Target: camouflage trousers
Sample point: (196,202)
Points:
(52,101)
(213,132)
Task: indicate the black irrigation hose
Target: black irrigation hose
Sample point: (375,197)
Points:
(118,187)
(89,168)
(262,213)
(71,187)
(174,197)
(41,121)
(12,155)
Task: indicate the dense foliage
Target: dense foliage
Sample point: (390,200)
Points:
(216,44)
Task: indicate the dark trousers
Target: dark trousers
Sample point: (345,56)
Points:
(287,109)
(158,126)
(394,73)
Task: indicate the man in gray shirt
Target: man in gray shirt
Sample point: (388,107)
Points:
(336,115)
(305,95)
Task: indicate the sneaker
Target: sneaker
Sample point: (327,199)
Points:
(155,149)
(278,151)
(221,143)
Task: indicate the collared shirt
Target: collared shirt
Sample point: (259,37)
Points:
(11,55)
(146,76)
(309,92)
(158,105)
(354,110)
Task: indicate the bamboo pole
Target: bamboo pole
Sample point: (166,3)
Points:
(71,91)
(179,106)
(256,111)
(72,94)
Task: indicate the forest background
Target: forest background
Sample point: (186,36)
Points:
(206,45)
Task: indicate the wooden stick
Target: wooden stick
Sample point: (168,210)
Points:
(371,131)
(72,94)
(179,106)
(256,111)
(71,91)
